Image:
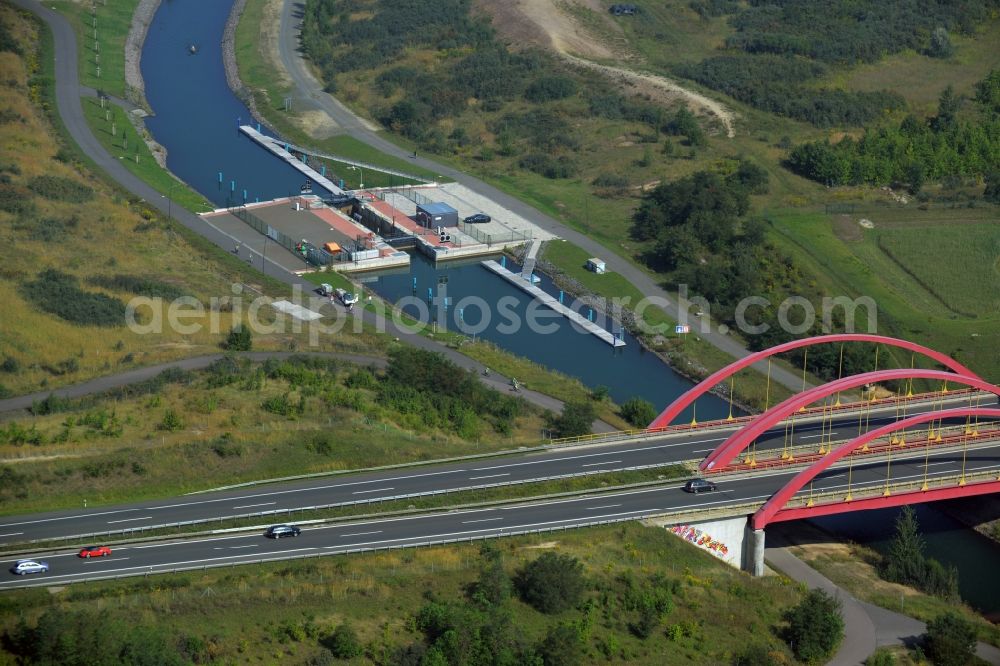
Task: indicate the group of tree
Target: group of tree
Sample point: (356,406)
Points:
(699,232)
(781,48)
(429,387)
(535,101)
(815,627)
(906,563)
(916,150)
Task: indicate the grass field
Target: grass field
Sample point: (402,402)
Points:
(279,612)
(956,262)
(128,448)
(853,264)
(114,17)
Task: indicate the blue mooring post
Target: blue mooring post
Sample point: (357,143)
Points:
(460,317)
(560,296)
(232,186)
(258,128)
(239,121)
(322,170)
(286,148)
(503,261)
(341,183)
(220,178)
(414,285)
(430,294)
(244,196)
(590,314)
(256,199)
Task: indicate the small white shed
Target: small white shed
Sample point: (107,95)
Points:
(596,265)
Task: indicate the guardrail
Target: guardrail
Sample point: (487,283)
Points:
(801,500)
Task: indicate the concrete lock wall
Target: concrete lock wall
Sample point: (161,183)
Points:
(730,539)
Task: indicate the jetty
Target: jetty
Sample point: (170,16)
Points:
(553,303)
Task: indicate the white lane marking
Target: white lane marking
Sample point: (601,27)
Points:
(128,520)
(607,462)
(488,476)
(811,436)
(606,506)
(376,490)
(98,559)
(252,545)
(12,534)
(481,520)
(360,533)
(703,451)
(946,462)
(250,506)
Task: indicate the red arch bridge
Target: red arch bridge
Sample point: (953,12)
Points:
(867,447)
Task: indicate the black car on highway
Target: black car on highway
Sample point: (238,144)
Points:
(478,218)
(279,531)
(699,486)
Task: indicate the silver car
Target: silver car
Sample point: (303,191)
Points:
(22,567)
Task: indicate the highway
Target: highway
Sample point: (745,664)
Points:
(464,525)
(432,478)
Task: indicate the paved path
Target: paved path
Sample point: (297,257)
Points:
(68,94)
(866,627)
(309,95)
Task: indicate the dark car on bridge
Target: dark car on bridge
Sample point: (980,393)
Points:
(699,486)
(279,531)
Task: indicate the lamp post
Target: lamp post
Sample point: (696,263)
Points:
(361,184)
(169,196)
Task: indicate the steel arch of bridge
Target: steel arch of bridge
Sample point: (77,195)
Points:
(774,507)
(674,409)
(741,439)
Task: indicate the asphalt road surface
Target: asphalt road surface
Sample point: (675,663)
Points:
(370,487)
(464,525)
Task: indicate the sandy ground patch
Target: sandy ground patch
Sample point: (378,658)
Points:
(553,24)
(543,545)
(317,124)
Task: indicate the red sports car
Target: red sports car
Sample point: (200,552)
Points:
(95,551)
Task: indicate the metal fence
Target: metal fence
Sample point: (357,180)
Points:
(310,254)
(486,238)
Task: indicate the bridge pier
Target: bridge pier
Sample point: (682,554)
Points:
(756,559)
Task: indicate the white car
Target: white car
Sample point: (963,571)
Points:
(22,567)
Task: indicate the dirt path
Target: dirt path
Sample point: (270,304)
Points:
(664,89)
(581,31)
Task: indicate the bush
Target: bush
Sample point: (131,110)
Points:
(139,286)
(815,626)
(59,294)
(548,88)
(577,418)
(552,583)
(638,412)
(881,657)
(171,421)
(950,640)
(60,189)
(561,647)
(239,339)
(343,642)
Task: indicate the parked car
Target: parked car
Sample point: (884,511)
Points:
(279,531)
(22,567)
(478,218)
(94,551)
(699,486)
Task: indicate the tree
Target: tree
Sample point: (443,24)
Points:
(992,191)
(638,412)
(493,587)
(561,646)
(950,639)
(576,419)
(239,338)
(940,46)
(904,562)
(815,626)
(948,105)
(757,654)
(552,583)
(343,642)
